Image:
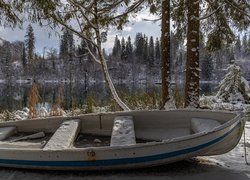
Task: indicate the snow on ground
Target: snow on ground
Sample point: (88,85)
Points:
(215,103)
(235,159)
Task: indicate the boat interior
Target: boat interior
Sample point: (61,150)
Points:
(109,129)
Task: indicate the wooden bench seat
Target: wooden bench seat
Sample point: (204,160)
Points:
(64,136)
(22,145)
(123,133)
(6,132)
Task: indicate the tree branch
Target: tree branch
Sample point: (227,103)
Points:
(237,8)
(210,14)
(83,13)
(106,9)
(61,22)
(152,20)
(130,9)
(93,56)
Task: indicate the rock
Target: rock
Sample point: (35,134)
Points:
(97,141)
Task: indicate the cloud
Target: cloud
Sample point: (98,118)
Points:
(144,14)
(44,37)
(128,28)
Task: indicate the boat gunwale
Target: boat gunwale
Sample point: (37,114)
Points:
(120,113)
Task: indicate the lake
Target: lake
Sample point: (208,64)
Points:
(15,96)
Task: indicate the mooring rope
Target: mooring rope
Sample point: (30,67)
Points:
(247,116)
(245,146)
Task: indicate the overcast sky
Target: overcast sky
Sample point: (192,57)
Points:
(49,39)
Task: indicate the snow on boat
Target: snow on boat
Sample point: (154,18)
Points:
(119,140)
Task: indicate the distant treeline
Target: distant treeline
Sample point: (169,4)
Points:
(130,60)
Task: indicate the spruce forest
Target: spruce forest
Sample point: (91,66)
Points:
(198,41)
(128,61)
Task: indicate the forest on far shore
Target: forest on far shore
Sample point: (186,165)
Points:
(133,59)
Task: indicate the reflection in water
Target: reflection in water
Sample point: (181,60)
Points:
(15,96)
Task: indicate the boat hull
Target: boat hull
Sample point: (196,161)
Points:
(218,141)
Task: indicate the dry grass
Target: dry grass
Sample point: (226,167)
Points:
(56,109)
(33,99)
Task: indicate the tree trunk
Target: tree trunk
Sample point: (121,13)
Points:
(105,67)
(109,81)
(192,64)
(165,52)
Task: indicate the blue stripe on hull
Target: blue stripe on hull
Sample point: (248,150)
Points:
(111,162)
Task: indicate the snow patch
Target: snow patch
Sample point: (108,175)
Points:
(193,49)
(123,133)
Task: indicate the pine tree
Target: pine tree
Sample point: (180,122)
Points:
(7,60)
(24,60)
(248,45)
(157,50)
(139,46)
(206,62)
(207,67)
(233,87)
(174,46)
(117,48)
(82,50)
(237,47)
(129,50)
(145,50)
(63,50)
(67,45)
(71,45)
(244,45)
(30,42)
(151,52)
(123,50)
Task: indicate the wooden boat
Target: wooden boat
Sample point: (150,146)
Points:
(118,140)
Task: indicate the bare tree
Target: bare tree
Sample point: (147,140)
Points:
(89,20)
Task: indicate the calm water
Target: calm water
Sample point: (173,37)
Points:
(15,96)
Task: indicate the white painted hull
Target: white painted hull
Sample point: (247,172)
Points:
(218,141)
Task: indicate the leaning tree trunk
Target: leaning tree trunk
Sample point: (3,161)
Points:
(104,65)
(165,52)
(192,65)
(109,81)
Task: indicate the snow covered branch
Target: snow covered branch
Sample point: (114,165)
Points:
(210,14)
(237,8)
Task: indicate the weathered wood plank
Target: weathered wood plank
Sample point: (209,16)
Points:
(123,133)
(6,132)
(64,137)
